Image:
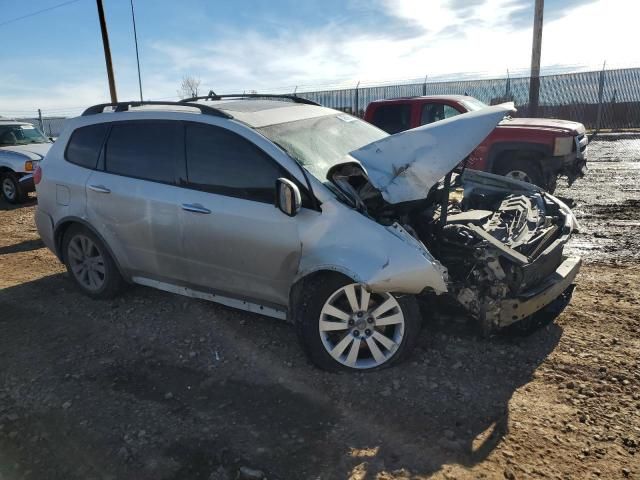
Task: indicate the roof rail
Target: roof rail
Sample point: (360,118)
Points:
(213,96)
(125,106)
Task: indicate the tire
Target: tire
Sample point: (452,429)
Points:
(10,188)
(90,264)
(525,168)
(324,291)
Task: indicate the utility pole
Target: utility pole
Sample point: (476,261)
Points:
(107,52)
(534,82)
(135,37)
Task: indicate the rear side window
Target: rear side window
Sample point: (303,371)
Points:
(84,146)
(220,161)
(393,118)
(150,150)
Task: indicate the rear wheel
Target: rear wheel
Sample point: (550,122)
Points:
(10,187)
(90,264)
(344,327)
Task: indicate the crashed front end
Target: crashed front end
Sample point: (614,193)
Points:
(501,241)
(503,244)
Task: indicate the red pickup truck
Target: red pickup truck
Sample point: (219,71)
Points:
(535,150)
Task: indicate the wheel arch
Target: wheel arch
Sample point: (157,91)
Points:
(301,279)
(498,151)
(65,223)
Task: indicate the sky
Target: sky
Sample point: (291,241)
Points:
(53,60)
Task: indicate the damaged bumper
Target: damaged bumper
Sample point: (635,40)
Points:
(529,302)
(575,164)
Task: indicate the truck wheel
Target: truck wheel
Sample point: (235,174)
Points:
(10,187)
(343,327)
(523,168)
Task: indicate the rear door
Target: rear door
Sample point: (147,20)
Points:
(235,240)
(132,197)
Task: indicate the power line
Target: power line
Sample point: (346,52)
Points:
(135,37)
(38,12)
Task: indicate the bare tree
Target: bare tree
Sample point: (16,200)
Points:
(189,87)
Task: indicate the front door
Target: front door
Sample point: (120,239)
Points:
(235,240)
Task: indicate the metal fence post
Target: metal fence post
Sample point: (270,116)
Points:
(40,120)
(356,110)
(600,95)
(424,86)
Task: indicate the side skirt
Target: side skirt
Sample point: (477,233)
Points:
(212,297)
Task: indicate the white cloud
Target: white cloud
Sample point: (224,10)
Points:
(480,37)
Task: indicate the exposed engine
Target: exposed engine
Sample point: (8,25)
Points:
(495,242)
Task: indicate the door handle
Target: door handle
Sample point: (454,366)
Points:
(99,188)
(195,207)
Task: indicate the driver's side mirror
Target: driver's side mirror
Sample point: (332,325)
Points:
(288,198)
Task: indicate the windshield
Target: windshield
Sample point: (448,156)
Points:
(473,104)
(21,135)
(320,143)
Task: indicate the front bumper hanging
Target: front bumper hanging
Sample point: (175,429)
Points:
(531,301)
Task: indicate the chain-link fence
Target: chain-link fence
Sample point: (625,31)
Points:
(601,100)
(607,99)
(50,126)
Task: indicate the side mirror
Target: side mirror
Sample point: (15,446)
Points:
(288,198)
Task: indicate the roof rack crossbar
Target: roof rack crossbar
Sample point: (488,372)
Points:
(125,106)
(213,96)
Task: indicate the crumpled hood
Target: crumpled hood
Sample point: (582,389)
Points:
(404,166)
(34,151)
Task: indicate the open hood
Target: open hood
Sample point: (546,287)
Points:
(404,166)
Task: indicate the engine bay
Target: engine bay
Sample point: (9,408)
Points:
(495,242)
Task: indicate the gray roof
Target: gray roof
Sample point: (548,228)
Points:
(261,113)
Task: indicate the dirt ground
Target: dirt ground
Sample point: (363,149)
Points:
(156,386)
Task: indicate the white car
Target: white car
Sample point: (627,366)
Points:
(22,146)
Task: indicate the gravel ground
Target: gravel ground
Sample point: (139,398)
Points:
(607,201)
(156,386)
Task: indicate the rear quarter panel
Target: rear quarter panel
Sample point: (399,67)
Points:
(61,192)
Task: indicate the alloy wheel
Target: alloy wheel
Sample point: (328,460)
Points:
(359,329)
(86,262)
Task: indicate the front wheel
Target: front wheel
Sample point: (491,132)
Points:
(343,326)
(526,169)
(10,187)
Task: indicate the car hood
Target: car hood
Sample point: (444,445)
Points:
(34,151)
(404,166)
(568,126)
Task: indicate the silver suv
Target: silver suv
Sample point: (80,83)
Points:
(284,208)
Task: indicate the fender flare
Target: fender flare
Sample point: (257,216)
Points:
(58,234)
(498,149)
